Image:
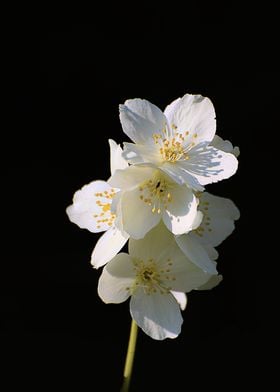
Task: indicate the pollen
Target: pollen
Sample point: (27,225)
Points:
(104,217)
(106,207)
(176,146)
(156,193)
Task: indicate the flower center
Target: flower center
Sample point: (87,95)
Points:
(152,277)
(156,193)
(174,147)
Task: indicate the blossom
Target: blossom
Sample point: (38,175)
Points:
(176,141)
(155,274)
(91,210)
(148,196)
(217,224)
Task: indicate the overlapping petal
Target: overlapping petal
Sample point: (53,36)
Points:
(196,253)
(148,196)
(116,279)
(219,214)
(137,216)
(181,214)
(108,245)
(183,275)
(181,298)
(117,162)
(140,119)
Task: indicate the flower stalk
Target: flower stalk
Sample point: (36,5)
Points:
(130,357)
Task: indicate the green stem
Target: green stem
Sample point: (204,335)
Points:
(129,357)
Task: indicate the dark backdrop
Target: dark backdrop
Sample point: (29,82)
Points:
(66,82)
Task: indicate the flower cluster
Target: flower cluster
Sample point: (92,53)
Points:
(155,198)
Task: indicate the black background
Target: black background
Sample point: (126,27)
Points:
(66,81)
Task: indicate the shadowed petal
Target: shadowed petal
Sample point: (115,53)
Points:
(117,162)
(196,253)
(181,298)
(158,315)
(116,279)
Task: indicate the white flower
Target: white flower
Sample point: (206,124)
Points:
(91,210)
(155,274)
(149,195)
(176,141)
(217,224)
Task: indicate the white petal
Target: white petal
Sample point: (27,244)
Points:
(155,242)
(108,245)
(117,210)
(137,215)
(211,251)
(89,209)
(219,215)
(213,281)
(158,315)
(196,253)
(184,274)
(225,145)
(116,279)
(140,119)
(117,162)
(181,298)
(208,164)
(194,114)
(170,109)
(179,174)
(139,153)
(181,211)
(130,177)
